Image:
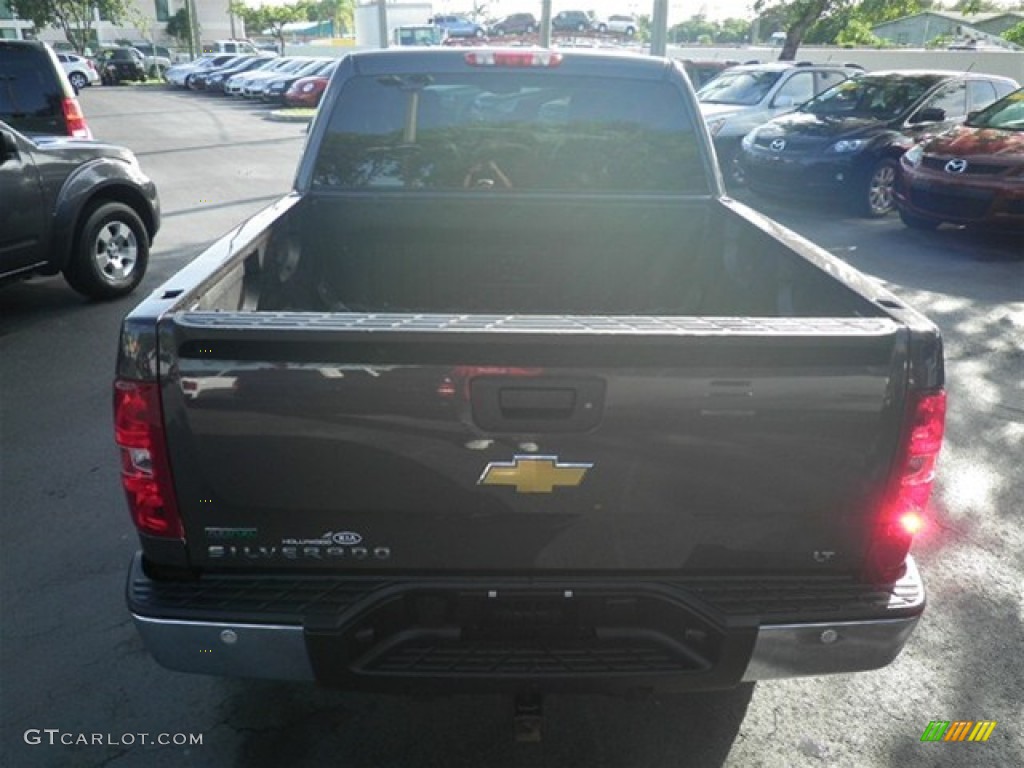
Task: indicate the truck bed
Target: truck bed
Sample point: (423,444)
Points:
(362,395)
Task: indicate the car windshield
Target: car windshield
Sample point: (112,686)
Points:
(521,131)
(741,88)
(1007,114)
(884,97)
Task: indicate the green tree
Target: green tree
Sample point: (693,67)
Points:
(269,17)
(75,18)
(341,14)
(733,31)
(691,30)
(857,32)
(823,20)
(178,27)
(976,6)
(798,16)
(847,25)
(1015,34)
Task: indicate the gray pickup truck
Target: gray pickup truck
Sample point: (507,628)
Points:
(506,395)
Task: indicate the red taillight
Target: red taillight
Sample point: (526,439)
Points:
(75,120)
(513,59)
(145,470)
(903,513)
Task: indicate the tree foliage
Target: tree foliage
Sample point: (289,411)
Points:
(698,27)
(1015,34)
(270,18)
(178,26)
(75,18)
(340,12)
(976,6)
(851,25)
(798,17)
(845,22)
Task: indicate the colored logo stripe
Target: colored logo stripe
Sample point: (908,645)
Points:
(982,730)
(958,730)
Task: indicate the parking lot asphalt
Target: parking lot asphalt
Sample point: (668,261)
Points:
(70,660)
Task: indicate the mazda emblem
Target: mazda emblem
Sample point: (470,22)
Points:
(778,145)
(956,165)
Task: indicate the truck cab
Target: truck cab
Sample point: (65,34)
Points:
(420,34)
(230,46)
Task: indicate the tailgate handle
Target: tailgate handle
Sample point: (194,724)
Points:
(536,403)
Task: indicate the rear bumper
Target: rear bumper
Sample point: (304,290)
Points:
(400,637)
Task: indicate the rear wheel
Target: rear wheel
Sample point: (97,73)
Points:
(630,31)
(110,256)
(581,27)
(78,80)
(918,222)
(877,193)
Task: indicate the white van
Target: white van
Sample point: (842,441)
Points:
(230,46)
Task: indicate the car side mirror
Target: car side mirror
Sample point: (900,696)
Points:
(785,102)
(929,115)
(973,114)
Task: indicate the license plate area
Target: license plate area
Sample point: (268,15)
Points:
(495,637)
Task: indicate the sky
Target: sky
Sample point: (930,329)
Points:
(679,10)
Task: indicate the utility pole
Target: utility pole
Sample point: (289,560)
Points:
(382,22)
(194,41)
(544,33)
(659,28)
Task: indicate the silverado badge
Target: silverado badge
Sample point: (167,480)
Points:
(534,474)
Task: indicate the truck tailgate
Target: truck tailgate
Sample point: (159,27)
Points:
(456,443)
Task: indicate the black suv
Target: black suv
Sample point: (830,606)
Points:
(35,95)
(119,64)
(516,24)
(578,21)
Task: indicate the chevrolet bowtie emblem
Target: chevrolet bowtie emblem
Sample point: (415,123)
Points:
(534,474)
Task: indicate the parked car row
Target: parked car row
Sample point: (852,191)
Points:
(293,80)
(565,22)
(938,145)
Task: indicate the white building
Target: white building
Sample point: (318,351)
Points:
(215,23)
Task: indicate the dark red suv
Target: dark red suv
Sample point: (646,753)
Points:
(971,174)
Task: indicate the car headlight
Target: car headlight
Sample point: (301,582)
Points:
(715,125)
(845,146)
(308,87)
(913,155)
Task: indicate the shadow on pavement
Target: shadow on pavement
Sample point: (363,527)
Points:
(301,726)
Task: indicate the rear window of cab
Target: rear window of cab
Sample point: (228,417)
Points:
(521,131)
